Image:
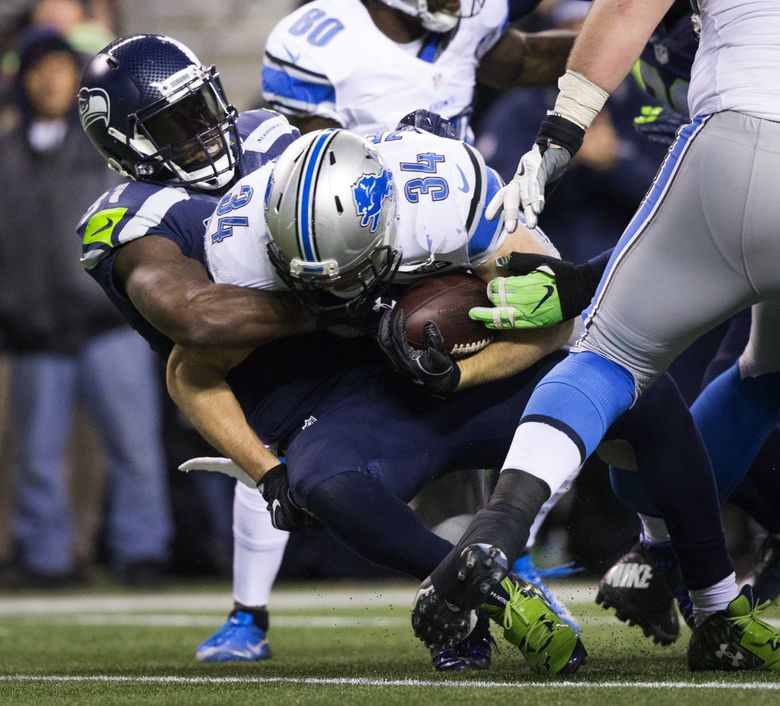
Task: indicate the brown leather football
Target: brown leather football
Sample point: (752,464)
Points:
(446,299)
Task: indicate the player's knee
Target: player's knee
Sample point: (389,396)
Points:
(333,496)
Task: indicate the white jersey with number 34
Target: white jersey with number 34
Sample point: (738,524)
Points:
(442,188)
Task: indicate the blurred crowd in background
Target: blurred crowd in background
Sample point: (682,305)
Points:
(90,443)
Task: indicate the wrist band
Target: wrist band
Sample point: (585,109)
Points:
(560,131)
(579,100)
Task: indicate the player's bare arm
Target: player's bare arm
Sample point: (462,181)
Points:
(174,293)
(525,59)
(613,36)
(196,380)
(512,351)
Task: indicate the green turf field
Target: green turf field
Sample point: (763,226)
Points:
(333,644)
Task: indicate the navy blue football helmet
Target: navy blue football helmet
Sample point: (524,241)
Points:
(157,114)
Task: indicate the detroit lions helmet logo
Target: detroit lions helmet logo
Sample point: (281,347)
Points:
(369,193)
(93,106)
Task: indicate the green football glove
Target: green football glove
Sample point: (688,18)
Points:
(543,291)
(521,302)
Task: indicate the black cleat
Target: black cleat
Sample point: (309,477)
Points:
(640,594)
(437,622)
(474,652)
(481,567)
(444,623)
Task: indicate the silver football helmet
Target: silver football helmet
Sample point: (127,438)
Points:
(437,15)
(331,214)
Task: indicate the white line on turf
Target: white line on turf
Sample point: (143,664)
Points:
(186,620)
(333,595)
(321,681)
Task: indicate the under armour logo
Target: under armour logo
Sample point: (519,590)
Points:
(736,659)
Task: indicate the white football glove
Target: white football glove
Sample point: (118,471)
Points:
(537,171)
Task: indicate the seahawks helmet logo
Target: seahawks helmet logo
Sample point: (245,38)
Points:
(93,106)
(369,193)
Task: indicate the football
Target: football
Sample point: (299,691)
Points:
(446,300)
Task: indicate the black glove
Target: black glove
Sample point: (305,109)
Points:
(575,284)
(431,367)
(286,514)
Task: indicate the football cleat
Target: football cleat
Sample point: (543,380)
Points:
(641,593)
(548,644)
(239,639)
(765,577)
(438,622)
(735,639)
(473,653)
(525,568)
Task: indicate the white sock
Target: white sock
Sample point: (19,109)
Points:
(258,548)
(544,452)
(654,529)
(707,601)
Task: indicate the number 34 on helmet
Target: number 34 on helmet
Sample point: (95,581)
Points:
(330,208)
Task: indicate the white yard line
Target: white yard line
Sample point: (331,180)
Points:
(294,598)
(278,620)
(320,681)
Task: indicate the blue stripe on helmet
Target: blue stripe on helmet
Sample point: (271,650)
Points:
(486,230)
(305,205)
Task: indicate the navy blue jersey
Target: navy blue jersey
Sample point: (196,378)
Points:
(279,383)
(136,209)
(665,63)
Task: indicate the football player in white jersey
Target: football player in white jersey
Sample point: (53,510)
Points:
(702,246)
(363,64)
(439,225)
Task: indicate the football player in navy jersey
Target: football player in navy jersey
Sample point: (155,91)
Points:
(161,118)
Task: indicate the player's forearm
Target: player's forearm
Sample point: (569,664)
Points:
(219,315)
(613,36)
(198,386)
(524,59)
(173,293)
(513,352)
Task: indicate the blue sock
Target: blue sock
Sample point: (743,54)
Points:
(735,417)
(582,396)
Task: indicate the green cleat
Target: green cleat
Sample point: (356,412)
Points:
(549,645)
(735,639)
